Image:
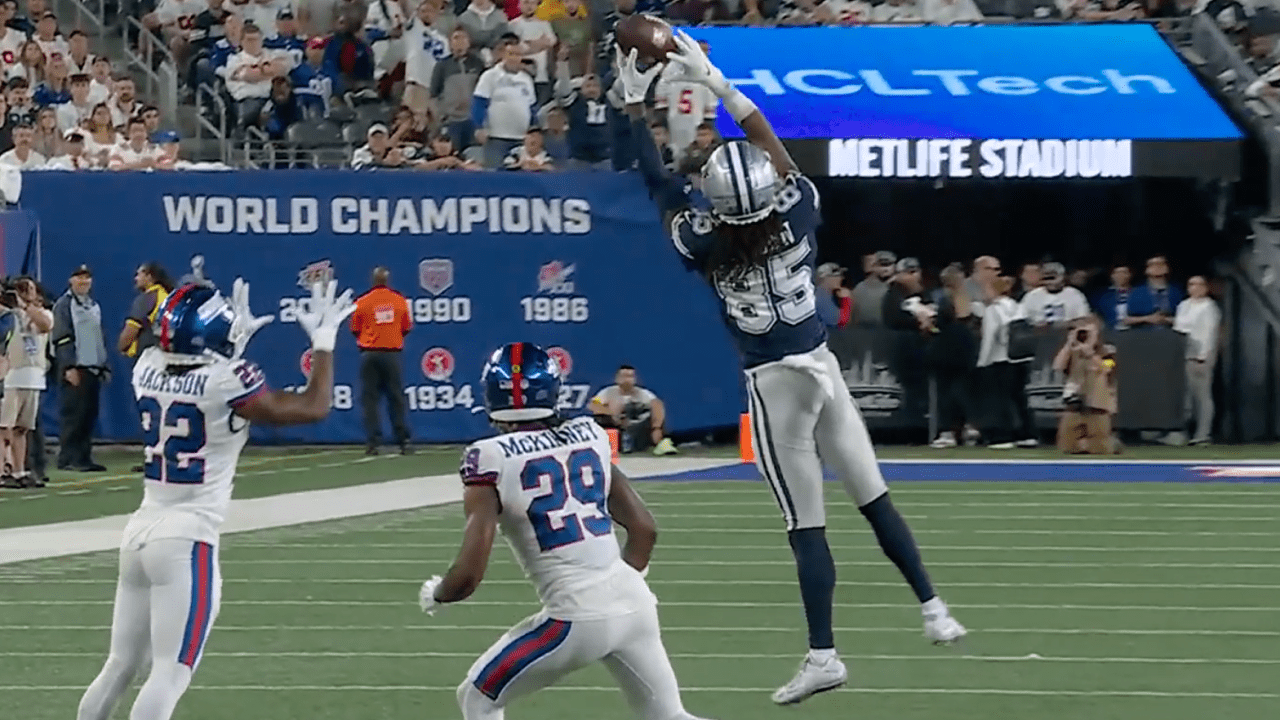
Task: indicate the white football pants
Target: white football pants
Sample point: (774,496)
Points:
(541,650)
(166,601)
(802,416)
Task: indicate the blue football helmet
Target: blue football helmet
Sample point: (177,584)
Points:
(521,382)
(195,322)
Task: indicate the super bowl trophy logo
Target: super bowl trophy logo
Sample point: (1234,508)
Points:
(873,386)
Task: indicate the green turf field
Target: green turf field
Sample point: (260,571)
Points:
(1085,602)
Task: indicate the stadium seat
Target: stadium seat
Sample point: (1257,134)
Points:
(341,114)
(370,114)
(354,133)
(313,134)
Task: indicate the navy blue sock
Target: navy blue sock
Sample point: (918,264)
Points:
(817,571)
(898,544)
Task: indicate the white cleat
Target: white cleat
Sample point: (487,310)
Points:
(939,627)
(815,676)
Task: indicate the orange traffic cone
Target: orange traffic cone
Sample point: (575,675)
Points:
(745,451)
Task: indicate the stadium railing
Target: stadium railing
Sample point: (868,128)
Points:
(158,66)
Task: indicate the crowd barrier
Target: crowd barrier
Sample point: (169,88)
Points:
(578,264)
(567,261)
(891,376)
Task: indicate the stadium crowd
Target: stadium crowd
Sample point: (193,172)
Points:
(436,85)
(971,332)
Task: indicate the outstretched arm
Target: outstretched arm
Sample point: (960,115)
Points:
(665,188)
(480,503)
(628,510)
(697,67)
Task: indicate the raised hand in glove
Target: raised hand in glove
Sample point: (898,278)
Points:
(245,324)
(696,67)
(325,315)
(635,82)
(427,595)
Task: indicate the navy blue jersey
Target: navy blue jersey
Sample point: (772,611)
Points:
(771,311)
(590,138)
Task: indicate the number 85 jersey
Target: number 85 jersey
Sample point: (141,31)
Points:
(770,311)
(193,440)
(553,486)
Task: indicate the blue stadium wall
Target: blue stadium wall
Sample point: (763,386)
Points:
(568,261)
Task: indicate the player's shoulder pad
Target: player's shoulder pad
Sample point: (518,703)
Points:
(480,464)
(690,230)
(797,190)
(241,380)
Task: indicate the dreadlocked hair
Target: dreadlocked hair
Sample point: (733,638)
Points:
(740,248)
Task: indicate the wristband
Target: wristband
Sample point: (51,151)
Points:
(739,106)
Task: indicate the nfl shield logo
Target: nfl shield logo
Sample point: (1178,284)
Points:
(435,275)
(437,364)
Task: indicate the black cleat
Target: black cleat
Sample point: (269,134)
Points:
(406,449)
(371,450)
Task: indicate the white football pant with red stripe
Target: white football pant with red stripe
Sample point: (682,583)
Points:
(166,602)
(541,650)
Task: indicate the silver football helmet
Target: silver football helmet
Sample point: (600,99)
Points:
(740,181)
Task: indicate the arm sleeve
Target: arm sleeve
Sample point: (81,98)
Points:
(664,187)
(846,311)
(480,465)
(63,336)
(437,78)
(242,382)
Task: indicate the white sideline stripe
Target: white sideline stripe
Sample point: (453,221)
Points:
(941,657)
(791,563)
(504,628)
(929,531)
(748,605)
(732,487)
(779,547)
(414,582)
(1072,506)
(614,689)
(949,516)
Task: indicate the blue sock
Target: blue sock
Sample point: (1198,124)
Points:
(898,544)
(817,571)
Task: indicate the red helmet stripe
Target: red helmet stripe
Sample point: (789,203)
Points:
(165,330)
(517,375)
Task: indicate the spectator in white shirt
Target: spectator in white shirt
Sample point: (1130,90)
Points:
(75,158)
(386,18)
(903,11)
(46,36)
(100,82)
(11,40)
(47,139)
(135,153)
(1054,303)
(1198,317)
(79,61)
(262,13)
(946,12)
(378,151)
(30,66)
(424,45)
(124,103)
(529,155)
(102,135)
(22,156)
(249,74)
(174,20)
(536,40)
(503,105)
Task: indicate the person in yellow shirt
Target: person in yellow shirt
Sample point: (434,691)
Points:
(551,10)
(154,285)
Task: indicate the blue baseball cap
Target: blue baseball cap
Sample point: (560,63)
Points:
(165,136)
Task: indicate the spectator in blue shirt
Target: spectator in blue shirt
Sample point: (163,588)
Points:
(1113,303)
(286,38)
(283,109)
(348,59)
(311,81)
(1156,303)
(55,89)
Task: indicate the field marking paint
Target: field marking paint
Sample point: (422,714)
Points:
(414,582)
(701,629)
(231,546)
(790,563)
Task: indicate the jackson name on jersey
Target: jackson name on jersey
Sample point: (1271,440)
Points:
(553,487)
(193,437)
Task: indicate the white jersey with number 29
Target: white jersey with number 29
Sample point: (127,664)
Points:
(193,440)
(553,485)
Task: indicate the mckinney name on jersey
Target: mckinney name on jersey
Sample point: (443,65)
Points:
(770,312)
(553,486)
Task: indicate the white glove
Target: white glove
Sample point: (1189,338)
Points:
(427,595)
(635,84)
(696,67)
(325,316)
(245,324)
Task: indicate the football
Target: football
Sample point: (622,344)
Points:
(651,36)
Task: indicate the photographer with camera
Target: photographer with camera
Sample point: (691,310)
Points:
(27,354)
(1090,394)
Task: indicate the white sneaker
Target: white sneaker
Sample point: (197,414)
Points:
(815,676)
(971,436)
(944,440)
(1028,443)
(939,627)
(1002,446)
